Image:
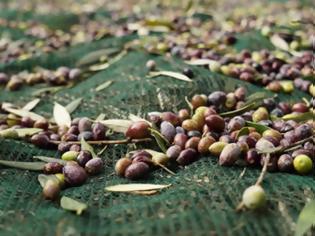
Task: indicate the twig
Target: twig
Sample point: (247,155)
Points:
(121,141)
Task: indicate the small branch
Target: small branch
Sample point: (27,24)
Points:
(263,171)
(121,141)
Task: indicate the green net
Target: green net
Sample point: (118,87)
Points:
(203,196)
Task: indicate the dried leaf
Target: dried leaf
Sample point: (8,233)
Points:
(96,56)
(300,117)
(145,193)
(51,90)
(171,74)
(135,118)
(37,166)
(135,187)
(50,159)
(87,147)
(100,117)
(109,63)
(103,86)
(200,62)
(73,205)
(61,115)
(264,146)
(72,106)
(31,105)
(238,111)
(259,127)
(279,42)
(42,179)
(306,219)
(24,113)
(117,125)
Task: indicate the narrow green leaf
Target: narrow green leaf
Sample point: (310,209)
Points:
(238,111)
(171,74)
(300,117)
(243,131)
(36,166)
(31,105)
(259,127)
(73,205)
(50,159)
(72,106)
(306,219)
(159,140)
(103,86)
(87,147)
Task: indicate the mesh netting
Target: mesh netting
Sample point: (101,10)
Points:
(203,196)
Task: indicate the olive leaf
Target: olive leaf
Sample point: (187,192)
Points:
(31,105)
(258,96)
(72,106)
(279,42)
(105,65)
(23,113)
(42,179)
(265,146)
(242,131)
(117,125)
(300,117)
(87,147)
(22,132)
(238,111)
(103,86)
(96,56)
(258,127)
(50,159)
(200,62)
(36,166)
(136,118)
(306,219)
(135,187)
(61,115)
(70,204)
(160,140)
(100,117)
(51,90)
(170,74)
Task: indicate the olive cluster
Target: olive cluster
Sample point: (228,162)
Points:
(61,76)
(79,164)
(207,132)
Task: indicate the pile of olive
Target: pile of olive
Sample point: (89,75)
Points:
(207,132)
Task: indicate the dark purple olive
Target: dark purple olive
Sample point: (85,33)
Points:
(215,123)
(217,98)
(180,140)
(75,147)
(303,131)
(69,137)
(94,166)
(41,124)
(27,122)
(142,158)
(52,168)
(236,123)
(188,72)
(73,130)
(168,130)
(138,130)
(64,147)
(83,158)
(251,142)
(252,157)
(137,170)
(170,117)
(41,140)
(285,163)
(75,121)
(85,124)
(269,103)
(273,140)
(141,153)
(187,157)
(306,152)
(86,135)
(4,79)
(99,131)
(284,107)
(173,152)
(75,175)
(277,112)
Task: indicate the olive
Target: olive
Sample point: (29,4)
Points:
(306,152)
(75,121)
(173,152)
(62,130)
(300,107)
(217,98)
(277,112)
(285,163)
(215,123)
(84,124)
(141,153)
(75,175)
(52,168)
(243,146)
(209,111)
(303,164)
(137,170)
(168,130)
(273,140)
(14,83)
(150,65)
(190,124)
(240,93)
(272,133)
(64,147)
(74,74)
(180,140)
(27,122)
(70,156)
(204,144)
(236,123)
(75,147)
(187,156)
(303,131)
(170,117)
(188,72)
(194,133)
(3,78)
(198,101)
(138,130)
(226,139)
(183,114)
(199,120)
(86,135)
(69,137)
(284,107)
(83,157)
(260,114)
(192,143)
(73,130)
(41,124)
(269,103)
(254,197)
(274,86)
(230,100)
(155,118)
(40,140)
(252,157)
(180,130)
(230,154)
(121,166)
(51,190)
(94,166)
(216,148)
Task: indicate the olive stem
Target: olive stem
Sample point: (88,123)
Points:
(121,141)
(296,144)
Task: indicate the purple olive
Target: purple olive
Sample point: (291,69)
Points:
(137,170)
(75,175)
(187,157)
(168,130)
(84,157)
(52,168)
(94,166)
(99,131)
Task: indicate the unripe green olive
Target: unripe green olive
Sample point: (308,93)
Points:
(190,124)
(254,197)
(70,156)
(216,148)
(303,164)
(260,114)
